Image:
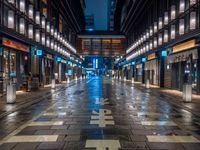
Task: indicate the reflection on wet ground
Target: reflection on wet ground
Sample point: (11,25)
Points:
(102,114)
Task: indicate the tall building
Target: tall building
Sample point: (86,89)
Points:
(162,42)
(38,39)
(111,13)
(89,26)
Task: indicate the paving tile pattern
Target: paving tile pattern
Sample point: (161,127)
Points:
(129,107)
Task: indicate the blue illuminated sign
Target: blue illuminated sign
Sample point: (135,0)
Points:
(164,53)
(133,63)
(90,29)
(144,59)
(69,72)
(58,59)
(39,52)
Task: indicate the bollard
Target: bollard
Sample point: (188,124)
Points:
(147,84)
(11,93)
(132,81)
(53,83)
(187,92)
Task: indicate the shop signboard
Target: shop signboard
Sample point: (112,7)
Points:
(151,56)
(48,56)
(184,46)
(15,45)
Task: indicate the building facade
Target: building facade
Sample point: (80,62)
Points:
(37,41)
(162,42)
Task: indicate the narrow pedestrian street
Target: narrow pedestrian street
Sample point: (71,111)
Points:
(102,114)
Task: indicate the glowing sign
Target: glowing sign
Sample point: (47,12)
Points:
(39,52)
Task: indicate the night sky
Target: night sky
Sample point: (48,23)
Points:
(99,9)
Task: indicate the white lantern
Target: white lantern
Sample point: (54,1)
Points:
(22,5)
(11,19)
(166,18)
(21,26)
(37,17)
(30,31)
(166,37)
(173,33)
(182,6)
(43,22)
(30,11)
(173,12)
(37,35)
(193,20)
(160,23)
(181,26)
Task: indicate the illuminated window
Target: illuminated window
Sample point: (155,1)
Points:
(181,26)
(21,26)
(166,37)
(182,6)
(11,19)
(192,20)
(173,32)
(30,31)
(173,12)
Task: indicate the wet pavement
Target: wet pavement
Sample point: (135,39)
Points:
(102,114)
